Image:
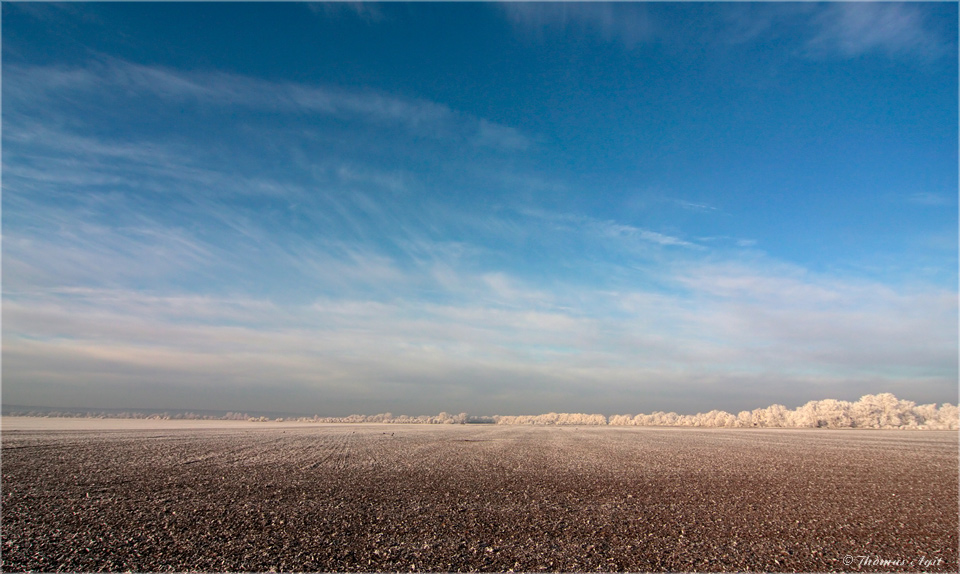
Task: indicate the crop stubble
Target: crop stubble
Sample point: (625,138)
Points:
(477,498)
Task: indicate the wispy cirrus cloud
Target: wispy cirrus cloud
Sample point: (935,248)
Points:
(833,30)
(837,30)
(613,229)
(77,197)
(110,78)
(692,206)
(841,30)
(852,29)
(503,137)
(608,229)
(365,11)
(628,24)
(930,199)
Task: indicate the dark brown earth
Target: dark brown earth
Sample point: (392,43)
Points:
(479,498)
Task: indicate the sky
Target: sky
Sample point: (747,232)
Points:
(486,208)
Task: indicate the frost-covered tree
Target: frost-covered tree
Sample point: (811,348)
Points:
(744,419)
(828,413)
(876,411)
(772,416)
(949,417)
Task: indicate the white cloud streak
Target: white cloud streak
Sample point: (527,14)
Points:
(852,29)
(608,229)
(931,199)
(366,11)
(629,24)
(833,30)
(694,206)
(619,230)
(111,78)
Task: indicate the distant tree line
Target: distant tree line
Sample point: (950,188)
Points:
(578,419)
(118,414)
(882,411)
(442,418)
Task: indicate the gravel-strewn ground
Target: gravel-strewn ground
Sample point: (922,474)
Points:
(481,498)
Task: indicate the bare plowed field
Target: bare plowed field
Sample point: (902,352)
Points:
(478,498)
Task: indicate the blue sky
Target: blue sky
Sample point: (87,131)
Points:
(490,208)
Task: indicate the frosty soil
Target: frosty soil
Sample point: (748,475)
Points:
(481,498)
